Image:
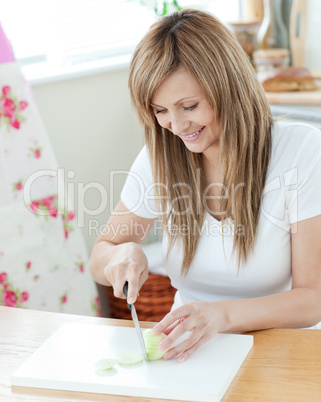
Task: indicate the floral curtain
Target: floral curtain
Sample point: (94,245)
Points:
(43,257)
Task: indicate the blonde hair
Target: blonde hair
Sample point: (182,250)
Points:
(202,45)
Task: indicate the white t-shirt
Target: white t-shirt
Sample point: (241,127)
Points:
(292,193)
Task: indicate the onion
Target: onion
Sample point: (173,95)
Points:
(105,364)
(129,358)
(152,345)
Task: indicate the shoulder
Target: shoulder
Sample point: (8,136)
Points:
(294,135)
(140,174)
(138,191)
(142,164)
(143,156)
(293,141)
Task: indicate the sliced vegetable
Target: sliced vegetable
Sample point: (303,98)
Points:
(105,364)
(152,345)
(129,358)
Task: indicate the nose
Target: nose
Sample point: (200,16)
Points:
(177,124)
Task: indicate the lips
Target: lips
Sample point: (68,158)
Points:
(194,136)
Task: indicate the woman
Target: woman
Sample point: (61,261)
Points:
(239,195)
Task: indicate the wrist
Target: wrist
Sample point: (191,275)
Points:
(226,321)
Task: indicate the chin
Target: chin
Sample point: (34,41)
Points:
(195,150)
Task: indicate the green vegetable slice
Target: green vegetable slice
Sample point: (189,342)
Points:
(105,364)
(152,345)
(130,358)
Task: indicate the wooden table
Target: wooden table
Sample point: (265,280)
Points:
(283,365)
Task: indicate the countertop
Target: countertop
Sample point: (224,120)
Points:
(283,364)
(309,113)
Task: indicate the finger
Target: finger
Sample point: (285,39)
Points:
(119,289)
(133,279)
(182,347)
(143,278)
(134,286)
(117,275)
(191,320)
(188,353)
(177,332)
(132,292)
(169,320)
(169,329)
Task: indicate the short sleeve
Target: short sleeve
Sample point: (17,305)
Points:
(138,193)
(304,195)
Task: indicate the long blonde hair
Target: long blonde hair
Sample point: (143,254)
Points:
(202,45)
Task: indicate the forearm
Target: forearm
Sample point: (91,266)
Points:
(297,308)
(100,256)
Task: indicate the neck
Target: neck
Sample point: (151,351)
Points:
(210,159)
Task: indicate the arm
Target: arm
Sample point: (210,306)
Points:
(299,307)
(117,256)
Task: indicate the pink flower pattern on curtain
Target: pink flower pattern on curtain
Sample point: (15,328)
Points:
(43,257)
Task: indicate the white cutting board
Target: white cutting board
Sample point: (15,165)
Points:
(66,361)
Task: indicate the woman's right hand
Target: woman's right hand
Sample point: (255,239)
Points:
(128,263)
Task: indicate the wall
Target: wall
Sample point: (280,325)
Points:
(313,35)
(93,131)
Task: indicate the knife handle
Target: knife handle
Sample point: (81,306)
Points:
(125,289)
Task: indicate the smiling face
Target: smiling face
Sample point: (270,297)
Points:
(181,106)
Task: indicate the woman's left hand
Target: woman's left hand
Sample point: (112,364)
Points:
(203,319)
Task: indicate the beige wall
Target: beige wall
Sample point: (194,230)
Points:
(93,131)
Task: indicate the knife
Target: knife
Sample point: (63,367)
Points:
(132,309)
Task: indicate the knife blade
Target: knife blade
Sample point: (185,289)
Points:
(132,309)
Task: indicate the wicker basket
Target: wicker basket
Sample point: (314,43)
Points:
(154,302)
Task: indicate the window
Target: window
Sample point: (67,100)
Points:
(73,30)
(65,34)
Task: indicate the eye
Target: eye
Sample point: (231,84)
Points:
(160,111)
(191,107)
